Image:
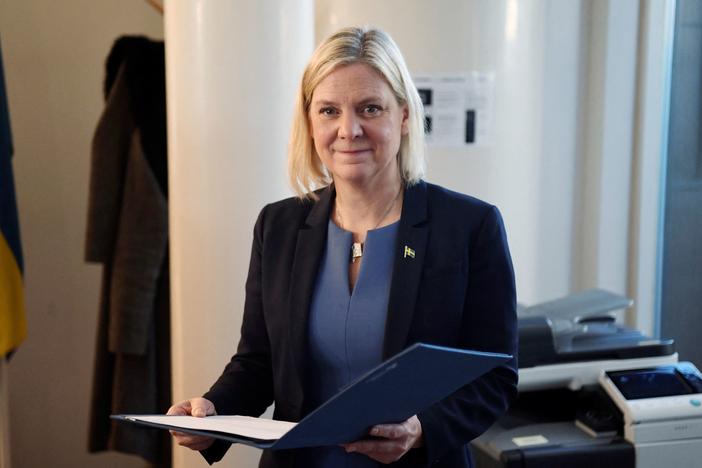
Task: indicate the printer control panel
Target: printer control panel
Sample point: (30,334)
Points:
(656,394)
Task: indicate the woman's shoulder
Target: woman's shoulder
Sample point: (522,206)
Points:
(289,204)
(445,199)
(287,209)
(291,211)
(451,212)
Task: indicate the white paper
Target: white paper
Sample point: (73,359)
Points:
(458,107)
(246,426)
(528,441)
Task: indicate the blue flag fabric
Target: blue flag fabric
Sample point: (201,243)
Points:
(13,325)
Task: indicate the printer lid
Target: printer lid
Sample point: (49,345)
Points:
(584,304)
(580,327)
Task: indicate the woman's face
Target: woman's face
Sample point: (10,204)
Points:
(357,125)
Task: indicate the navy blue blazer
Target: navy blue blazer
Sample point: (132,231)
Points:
(452,285)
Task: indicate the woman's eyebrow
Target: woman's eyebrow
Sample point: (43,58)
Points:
(370,99)
(324,102)
(366,100)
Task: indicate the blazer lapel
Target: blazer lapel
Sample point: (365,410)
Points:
(308,253)
(407,270)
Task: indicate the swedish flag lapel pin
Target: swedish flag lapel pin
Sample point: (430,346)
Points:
(409,252)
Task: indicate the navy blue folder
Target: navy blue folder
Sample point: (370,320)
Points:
(400,387)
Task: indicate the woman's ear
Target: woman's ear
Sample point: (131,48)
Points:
(404,129)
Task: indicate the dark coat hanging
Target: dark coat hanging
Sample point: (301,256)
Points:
(127,232)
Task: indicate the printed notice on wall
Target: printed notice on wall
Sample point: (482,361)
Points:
(458,108)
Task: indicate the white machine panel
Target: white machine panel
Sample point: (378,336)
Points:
(665,408)
(574,375)
(662,403)
(679,453)
(661,431)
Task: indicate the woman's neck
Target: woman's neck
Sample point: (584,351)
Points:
(359,209)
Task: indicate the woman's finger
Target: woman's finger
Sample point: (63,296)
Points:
(192,441)
(390,442)
(388,431)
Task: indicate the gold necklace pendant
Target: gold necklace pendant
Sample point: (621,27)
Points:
(356,251)
(357,247)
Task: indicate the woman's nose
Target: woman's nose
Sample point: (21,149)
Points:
(349,126)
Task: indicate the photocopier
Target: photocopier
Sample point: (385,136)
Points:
(595,394)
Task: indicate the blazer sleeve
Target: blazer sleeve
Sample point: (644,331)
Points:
(488,324)
(246,384)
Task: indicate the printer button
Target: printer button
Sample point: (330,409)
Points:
(695,402)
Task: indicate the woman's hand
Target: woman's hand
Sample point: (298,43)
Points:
(198,407)
(391,441)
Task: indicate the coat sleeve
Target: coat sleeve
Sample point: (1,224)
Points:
(488,324)
(246,385)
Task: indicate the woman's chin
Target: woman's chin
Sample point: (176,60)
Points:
(353,175)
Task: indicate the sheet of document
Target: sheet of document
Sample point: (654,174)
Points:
(405,384)
(256,428)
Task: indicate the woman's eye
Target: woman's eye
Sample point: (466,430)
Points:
(372,109)
(327,111)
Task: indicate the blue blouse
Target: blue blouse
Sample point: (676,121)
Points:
(346,329)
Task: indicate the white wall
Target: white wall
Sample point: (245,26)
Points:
(53,55)
(650,148)
(605,168)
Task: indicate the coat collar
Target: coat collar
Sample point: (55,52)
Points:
(311,240)
(319,214)
(411,244)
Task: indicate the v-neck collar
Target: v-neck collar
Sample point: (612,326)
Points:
(410,246)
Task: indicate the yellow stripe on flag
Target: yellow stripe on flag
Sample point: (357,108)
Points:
(13,324)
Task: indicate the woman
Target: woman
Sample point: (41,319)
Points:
(346,276)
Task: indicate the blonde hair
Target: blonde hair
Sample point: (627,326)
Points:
(376,49)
